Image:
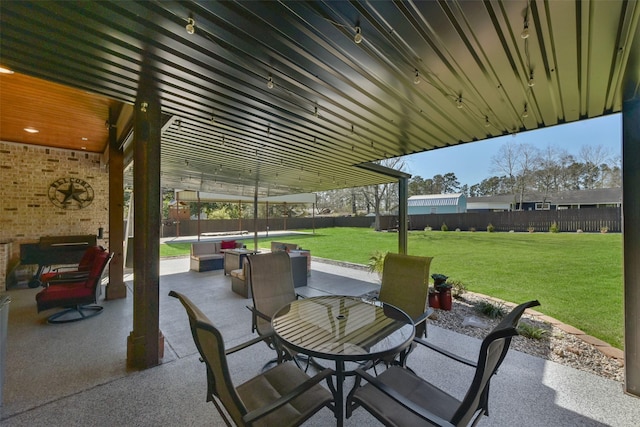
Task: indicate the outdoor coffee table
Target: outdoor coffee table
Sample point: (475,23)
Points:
(342,329)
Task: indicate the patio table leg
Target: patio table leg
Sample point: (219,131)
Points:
(339,393)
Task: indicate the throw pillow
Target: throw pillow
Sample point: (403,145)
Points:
(228,244)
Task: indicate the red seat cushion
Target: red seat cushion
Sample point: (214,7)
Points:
(67,291)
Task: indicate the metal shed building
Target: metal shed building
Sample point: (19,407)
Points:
(437,204)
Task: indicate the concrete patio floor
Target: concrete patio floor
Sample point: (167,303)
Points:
(75,374)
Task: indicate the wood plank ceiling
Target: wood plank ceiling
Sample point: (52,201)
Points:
(280,94)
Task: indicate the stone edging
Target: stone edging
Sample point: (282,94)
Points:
(603,347)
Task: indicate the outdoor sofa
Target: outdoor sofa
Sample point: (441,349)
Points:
(206,256)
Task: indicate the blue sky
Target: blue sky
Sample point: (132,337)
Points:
(472,162)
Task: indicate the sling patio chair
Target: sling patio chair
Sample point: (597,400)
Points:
(405,285)
(282,396)
(271,288)
(399,397)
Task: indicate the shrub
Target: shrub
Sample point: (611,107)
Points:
(427,228)
(491,228)
(553,228)
(490,310)
(472,229)
(376,262)
(457,229)
(531,229)
(529,331)
(444,227)
(457,288)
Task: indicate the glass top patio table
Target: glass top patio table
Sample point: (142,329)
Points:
(343,328)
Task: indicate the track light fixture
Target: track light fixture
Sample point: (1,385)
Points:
(358,37)
(531,81)
(459,102)
(270,82)
(525,113)
(191,26)
(487,123)
(525,31)
(416,80)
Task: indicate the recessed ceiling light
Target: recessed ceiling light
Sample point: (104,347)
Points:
(84,138)
(5,71)
(31,130)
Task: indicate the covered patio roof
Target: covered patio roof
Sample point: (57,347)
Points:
(293,95)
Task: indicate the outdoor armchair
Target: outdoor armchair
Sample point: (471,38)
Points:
(80,271)
(78,296)
(399,397)
(281,396)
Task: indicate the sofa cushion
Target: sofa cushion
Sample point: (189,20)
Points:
(208,256)
(238,273)
(205,248)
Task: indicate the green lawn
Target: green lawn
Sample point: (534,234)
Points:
(576,277)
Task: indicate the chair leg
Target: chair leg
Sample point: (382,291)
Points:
(82,311)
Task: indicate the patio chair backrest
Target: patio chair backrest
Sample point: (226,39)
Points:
(493,350)
(271,285)
(405,284)
(490,358)
(210,345)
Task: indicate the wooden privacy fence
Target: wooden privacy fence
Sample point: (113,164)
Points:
(570,220)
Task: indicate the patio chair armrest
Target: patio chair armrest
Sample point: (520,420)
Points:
(259,313)
(283,400)
(244,345)
(64,268)
(68,276)
(423,317)
(445,352)
(408,404)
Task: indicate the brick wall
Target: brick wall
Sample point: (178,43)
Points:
(26,212)
(5,251)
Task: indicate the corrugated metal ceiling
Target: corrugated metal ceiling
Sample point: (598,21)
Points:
(334,103)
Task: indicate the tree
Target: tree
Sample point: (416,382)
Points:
(450,183)
(593,157)
(549,172)
(526,164)
(374,194)
(505,162)
(516,162)
(416,186)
